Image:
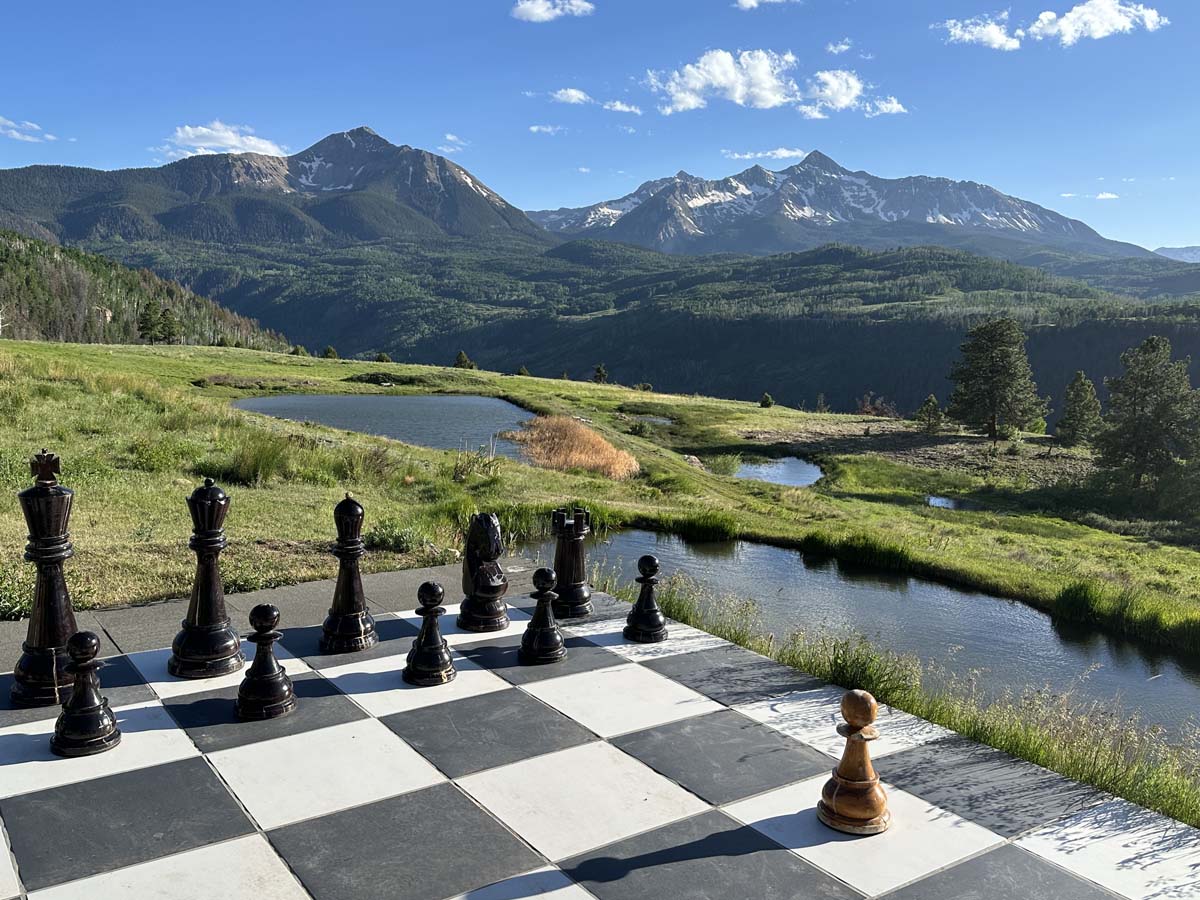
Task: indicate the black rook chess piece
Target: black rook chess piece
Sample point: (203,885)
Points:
(429,662)
(266,691)
(484,582)
(208,645)
(570,529)
(543,640)
(40,677)
(349,626)
(646,623)
(86,725)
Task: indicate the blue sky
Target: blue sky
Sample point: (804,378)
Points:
(1087,98)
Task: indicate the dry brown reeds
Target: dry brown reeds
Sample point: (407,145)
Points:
(560,442)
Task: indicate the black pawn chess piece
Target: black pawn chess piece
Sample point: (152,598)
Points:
(349,626)
(646,623)
(266,691)
(208,645)
(86,725)
(429,662)
(40,677)
(484,583)
(542,642)
(570,529)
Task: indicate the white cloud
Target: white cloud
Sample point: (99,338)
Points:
(628,129)
(883,106)
(990,31)
(835,89)
(549,10)
(1105,195)
(1096,19)
(777,153)
(1068,196)
(27,132)
(584,170)
(571,95)
(545,129)
(216,137)
(839,47)
(754,78)
(453,144)
(622,107)
(51,137)
(755,4)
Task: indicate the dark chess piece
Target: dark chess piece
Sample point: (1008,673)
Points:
(40,677)
(266,691)
(86,725)
(349,626)
(570,529)
(208,645)
(853,801)
(484,582)
(646,623)
(543,641)
(429,662)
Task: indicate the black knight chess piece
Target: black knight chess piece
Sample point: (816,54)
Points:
(349,626)
(570,529)
(40,677)
(86,725)
(543,641)
(484,582)
(207,645)
(429,662)
(646,623)
(266,691)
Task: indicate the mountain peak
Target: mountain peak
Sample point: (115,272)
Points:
(818,160)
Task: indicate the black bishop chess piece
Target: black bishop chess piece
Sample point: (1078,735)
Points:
(348,627)
(484,582)
(86,725)
(646,623)
(429,662)
(266,691)
(543,641)
(207,645)
(40,677)
(570,529)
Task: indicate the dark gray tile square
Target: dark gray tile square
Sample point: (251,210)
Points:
(483,732)
(395,638)
(151,626)
(706,857)
(604,607)
(120,682)
(1006,873)
(723,756)
(501,657)
(1006,795)
(77,830)
(424,845)
(732,675)
(211,722)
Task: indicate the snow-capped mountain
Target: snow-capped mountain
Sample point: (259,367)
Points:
(1180,254)
(817,201)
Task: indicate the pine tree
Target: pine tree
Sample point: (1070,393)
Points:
(149,321)
(1081,420)
(298,350)
(929,417)
(523,371)
(600,375)
(462,361)
(329,353)
(168,327)
(767,401)
(822,406)
(994,389)
(382,357)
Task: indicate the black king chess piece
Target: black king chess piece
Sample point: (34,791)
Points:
(570,529)
(266,691)
(208,645)
(429,662)
(483,582)
(349,626)
(646,623)
(86,725)
(542,642)
(40,677)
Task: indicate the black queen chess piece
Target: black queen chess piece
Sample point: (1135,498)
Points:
(86,725)
(348,627)
(266,692)
(483,608)
(40,677)
(543,641)
(570,529)
(207,645)
(429,662)
(646,623)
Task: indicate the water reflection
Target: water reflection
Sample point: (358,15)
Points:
(788,470)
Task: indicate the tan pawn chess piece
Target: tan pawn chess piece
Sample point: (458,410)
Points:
(852,800)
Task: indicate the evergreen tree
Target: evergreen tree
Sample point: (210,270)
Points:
(329,353)
(523,371)
(168,327)
(822,406)
(462,361)
(600,375)
(566,376)
(149,321)
(994,389)
(1152,409)
(382,357)
(929,416)
(767,401)
(1081,420)
(299,350)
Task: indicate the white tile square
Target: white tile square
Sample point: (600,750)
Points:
(149,737)
(318,772)
(921,840)
(813,717)
(245,867)
(152,664)
(8,877)
(456,637)
(376,684)
(620,699)
(1128,849)
(549,883)
(599,794)
(680,639)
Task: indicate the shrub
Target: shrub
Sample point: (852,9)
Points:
(641,429)
(258,458)
(560,442)
(766,401)
(643,386)
(382,358)
(724,463)
(394,534)
(329,353)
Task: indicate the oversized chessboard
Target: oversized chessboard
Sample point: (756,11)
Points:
(688,769)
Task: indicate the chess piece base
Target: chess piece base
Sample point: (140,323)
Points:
(532,658)
(476,616)
(62,746)
(256,712)
(427,679)
(828,817)
(206,652)
(348,634)
(41,678)
(573,610)
(645,635)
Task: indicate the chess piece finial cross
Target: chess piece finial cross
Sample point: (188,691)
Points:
(853,801)
(45,467)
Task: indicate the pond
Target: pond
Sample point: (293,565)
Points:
(1011,645)
(788,470)
(950,503)
(441,421)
